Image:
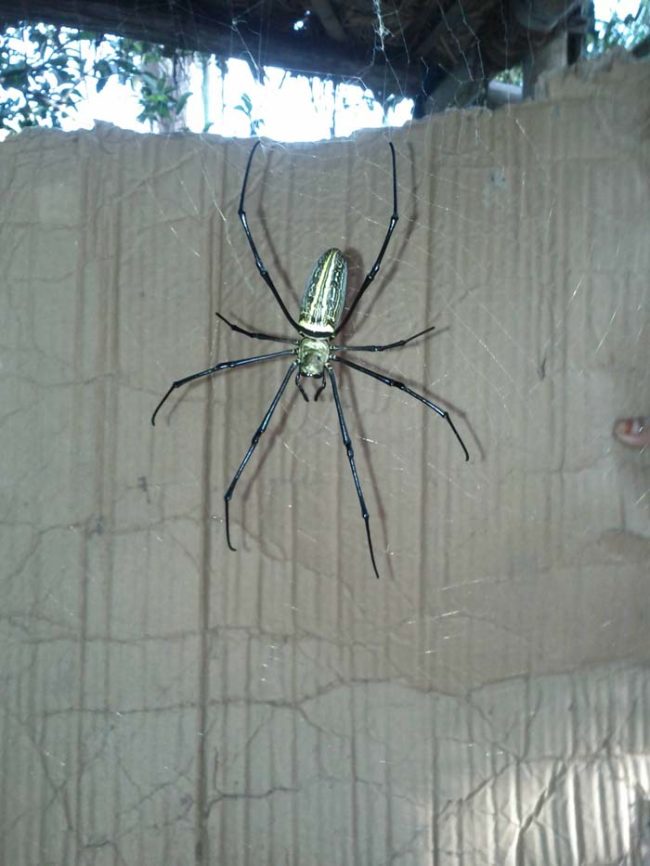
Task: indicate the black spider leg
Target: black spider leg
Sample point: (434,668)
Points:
(258,261)
(256,438)
(355,475)
(319,390)
(254,334)
(299,386)
(372,273)
(394,383)
(224,365)
(321,387)
(382,348)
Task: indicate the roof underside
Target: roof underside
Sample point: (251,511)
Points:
(396,49)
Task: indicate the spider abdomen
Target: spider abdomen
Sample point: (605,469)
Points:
(322,303)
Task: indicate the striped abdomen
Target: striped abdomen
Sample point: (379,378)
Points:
(322,304)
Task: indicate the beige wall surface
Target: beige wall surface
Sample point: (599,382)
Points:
(166,701)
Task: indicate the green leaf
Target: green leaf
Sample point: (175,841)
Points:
(182,101)
(103,68)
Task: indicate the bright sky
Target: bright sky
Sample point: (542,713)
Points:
(292,108)
(606,8)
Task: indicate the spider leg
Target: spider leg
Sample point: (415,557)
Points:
(299,386)
(224,365)
(254,334)
(384,347)
(372,273)
(256,438)
(251,243)
(319,390)
(353,467)
(395,383)
(321,387)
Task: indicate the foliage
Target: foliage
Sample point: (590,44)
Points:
(45,72)
(41,69)
(626,32)
(246,107)
(514,75)
(157,73)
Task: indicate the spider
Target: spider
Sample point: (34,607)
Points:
(320,319)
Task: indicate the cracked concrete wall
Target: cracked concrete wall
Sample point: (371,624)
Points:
(169,702)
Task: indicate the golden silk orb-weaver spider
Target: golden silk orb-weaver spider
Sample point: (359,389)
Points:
(314,351)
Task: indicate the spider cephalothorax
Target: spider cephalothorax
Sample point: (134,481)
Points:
(313,353)
(320,319)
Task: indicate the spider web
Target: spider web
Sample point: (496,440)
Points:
(416,485)
(455,704)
